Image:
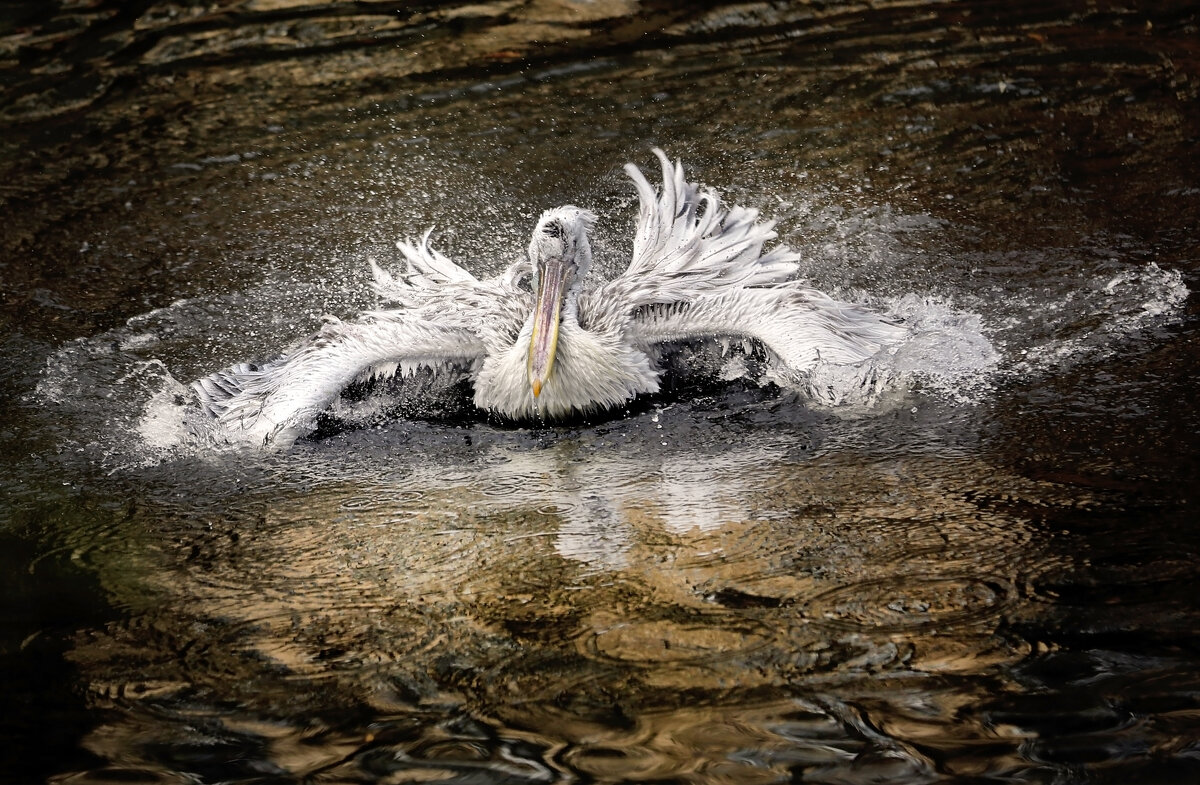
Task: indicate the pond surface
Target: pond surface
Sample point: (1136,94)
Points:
(985,572)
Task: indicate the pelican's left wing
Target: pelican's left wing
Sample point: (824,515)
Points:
(799,326)
(278,402)
(689,242)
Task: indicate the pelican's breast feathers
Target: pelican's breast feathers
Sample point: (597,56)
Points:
(594,370)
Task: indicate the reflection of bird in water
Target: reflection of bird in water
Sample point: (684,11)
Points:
(536,343)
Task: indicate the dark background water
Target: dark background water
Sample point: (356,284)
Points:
(985,577)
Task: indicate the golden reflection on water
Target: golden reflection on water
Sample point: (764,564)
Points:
(649,614)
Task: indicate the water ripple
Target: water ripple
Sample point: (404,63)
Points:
(912,603)
(655,641)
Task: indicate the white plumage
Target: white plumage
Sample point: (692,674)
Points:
(537,343)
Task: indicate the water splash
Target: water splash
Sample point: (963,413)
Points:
(946,354)
(1096,319)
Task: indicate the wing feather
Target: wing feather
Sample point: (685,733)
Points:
(277,402)
(427,271)
(686,238)
(688,244)
(437,288)
(798,325)
(428,266)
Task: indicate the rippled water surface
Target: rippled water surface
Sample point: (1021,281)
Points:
(985,571)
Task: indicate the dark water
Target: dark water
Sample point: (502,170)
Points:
(986,573)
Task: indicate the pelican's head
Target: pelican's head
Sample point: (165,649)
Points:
(560,255)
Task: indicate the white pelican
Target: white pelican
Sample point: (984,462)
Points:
(539,342)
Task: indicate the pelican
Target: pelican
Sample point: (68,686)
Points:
(542,342)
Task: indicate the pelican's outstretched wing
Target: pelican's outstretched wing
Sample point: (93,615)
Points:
(688,244)
(699,271)
(278,402)
(800,326)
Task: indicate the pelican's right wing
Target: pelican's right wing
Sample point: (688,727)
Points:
(279,401)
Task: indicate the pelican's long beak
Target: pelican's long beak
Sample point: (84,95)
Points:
(552,290)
